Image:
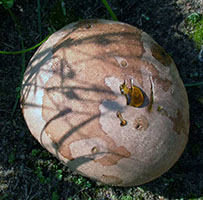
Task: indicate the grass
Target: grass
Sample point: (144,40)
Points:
(195,25)
(25,50)
(109,10)
(8,5)
(61,12)
(83,188)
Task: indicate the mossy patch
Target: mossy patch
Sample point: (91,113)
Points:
(195,28)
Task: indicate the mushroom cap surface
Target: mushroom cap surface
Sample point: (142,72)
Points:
(107,101)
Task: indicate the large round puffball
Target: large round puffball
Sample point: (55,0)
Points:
(107,101)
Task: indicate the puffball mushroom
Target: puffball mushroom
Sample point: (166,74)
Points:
(107,101)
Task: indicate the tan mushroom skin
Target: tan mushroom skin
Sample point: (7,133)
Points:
(76,105)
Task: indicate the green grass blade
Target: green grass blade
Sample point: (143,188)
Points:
(193,84)
(109,10)
(24,50)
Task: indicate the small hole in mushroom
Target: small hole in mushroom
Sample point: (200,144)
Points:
(123,122)
(88,26)
(138,127)
(123,63)
(141,123)
(94,150)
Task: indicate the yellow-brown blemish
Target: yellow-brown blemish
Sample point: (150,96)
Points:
(154,51)
(159,54)
(178,123)
(123,122)
(134,95)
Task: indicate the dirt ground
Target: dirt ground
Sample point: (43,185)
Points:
(27,171)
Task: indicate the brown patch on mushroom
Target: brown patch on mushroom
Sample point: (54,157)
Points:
(112,180)
(165,83)
(179,123)
(153,55)
(141,123)
(159,53)
(111,158)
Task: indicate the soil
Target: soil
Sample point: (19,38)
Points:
(27,171)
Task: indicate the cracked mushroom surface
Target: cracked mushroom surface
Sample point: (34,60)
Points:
(107,101)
